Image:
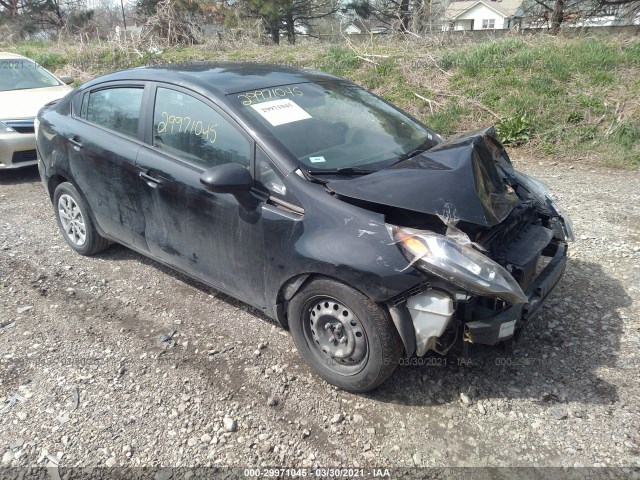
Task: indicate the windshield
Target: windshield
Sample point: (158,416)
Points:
(22,74)
(336,126)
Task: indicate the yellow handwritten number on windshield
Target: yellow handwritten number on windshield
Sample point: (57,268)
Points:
(258,96)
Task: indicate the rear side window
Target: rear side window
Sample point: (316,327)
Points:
(117,109)
(190,129)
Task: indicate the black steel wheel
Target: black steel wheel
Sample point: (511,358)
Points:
(336,335)
(345,337)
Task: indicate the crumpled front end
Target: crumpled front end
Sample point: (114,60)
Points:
(484,282)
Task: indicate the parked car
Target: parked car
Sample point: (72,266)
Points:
(345,219)
(24,88)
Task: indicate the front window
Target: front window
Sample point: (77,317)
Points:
(187,128)
(488,24)
(335,125)
(20,74)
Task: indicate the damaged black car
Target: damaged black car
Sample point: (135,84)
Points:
(364,232)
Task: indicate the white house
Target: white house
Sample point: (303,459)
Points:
(507,14)
(358,26)
(482,15)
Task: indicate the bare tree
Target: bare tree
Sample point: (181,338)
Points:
(555,13)
(400,15)
(9,7)
(280,16)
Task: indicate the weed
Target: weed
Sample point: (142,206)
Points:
(339,61)
(514,130)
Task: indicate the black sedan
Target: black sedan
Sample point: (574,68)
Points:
(364,232)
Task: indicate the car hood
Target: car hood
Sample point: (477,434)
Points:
(465,178)
(15,104)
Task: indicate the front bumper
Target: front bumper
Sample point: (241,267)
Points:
(17,150)
(492,328)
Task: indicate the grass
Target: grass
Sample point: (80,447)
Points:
(569,99)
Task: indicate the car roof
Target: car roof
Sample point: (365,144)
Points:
(7,56)
(223,78)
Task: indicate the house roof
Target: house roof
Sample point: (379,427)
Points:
(506,8)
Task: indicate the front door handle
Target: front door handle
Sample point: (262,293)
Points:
(151,181)
(76,144)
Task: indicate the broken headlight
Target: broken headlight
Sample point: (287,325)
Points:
(459,264)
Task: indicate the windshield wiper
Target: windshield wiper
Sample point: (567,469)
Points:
(411,154)
(342,170)
(427,145)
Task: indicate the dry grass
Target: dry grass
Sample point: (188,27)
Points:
(570,98)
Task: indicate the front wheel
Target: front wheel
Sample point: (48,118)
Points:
(74,221)
(347,339)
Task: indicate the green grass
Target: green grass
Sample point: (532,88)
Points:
(578,94)
(565,98)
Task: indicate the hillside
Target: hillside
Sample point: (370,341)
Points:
(558,99)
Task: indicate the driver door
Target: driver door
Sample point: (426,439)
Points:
(208,235)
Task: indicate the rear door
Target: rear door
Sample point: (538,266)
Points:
(207,235)
(103,144)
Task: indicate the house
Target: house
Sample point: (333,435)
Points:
(585,15)
(483,15)
(364,27)
(507,14)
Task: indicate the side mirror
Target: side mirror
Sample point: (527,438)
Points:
(231,178)
(66,80)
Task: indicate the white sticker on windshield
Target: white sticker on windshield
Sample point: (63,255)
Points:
(316,159)
(279,112)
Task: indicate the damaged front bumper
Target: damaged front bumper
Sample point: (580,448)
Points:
(435,318)
(492,327)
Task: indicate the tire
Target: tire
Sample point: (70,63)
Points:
(346,338)
(74,221)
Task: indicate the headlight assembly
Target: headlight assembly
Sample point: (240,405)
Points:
(458,264)
(4,128)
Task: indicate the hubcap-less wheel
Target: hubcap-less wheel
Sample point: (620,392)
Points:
(336,335)
(72,220)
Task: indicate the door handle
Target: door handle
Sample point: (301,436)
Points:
(76,144)
(151,181)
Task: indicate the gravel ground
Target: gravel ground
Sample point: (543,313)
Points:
(86,380)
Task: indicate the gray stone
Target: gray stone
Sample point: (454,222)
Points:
(229,424)
(337,418)
(7,457)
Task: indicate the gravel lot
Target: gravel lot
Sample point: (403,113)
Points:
(85,378)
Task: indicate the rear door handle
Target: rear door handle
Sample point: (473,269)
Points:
(151,181)
(76,144)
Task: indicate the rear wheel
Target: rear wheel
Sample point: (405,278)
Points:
(74,221)
(345,337)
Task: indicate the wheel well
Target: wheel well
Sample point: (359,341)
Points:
(54,181)
(286,293)
(294,284)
